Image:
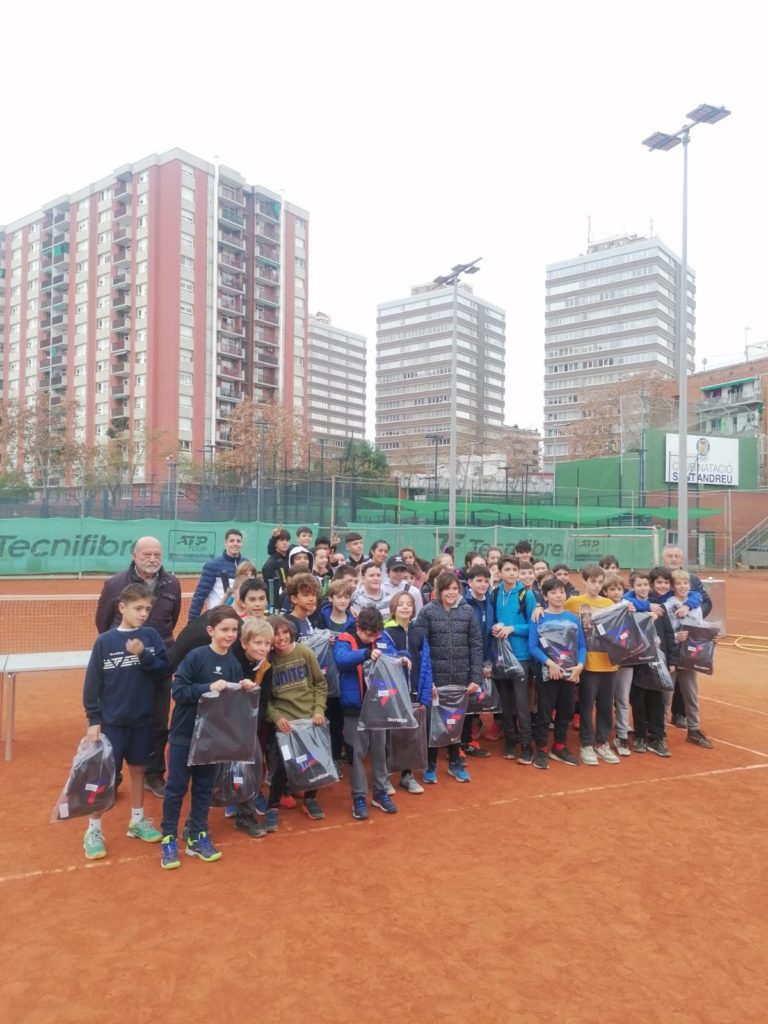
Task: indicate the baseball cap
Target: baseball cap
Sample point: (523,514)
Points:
(396,562)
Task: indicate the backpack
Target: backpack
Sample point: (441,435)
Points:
(521,600)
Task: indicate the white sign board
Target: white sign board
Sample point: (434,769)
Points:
(712,461)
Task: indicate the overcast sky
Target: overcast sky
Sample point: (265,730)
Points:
(420,135)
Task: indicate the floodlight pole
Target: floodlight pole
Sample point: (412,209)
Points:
(703,114)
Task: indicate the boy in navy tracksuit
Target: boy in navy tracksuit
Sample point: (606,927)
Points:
(477,597)
(118,695)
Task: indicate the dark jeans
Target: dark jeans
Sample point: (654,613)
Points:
(647,713)
(678,704)
(179,775)
(466,729)
(279,785)
(595,694)
(515,716)
(155,768)
(453,754)
(335,718)
(553,695)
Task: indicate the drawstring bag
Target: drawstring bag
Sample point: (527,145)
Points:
(319,642)
(487,697)
(407,748)
(90,788)
(560,642)
(618,634)
(387,700)
(306,752)
(226,727)
(236,783)
(505,663)
(697,653)
(446,718)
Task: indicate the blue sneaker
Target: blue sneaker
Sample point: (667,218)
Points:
(231,811)
(384,802)
(430,776)
(270,821)
(203,848)
(359,808)
(459,772)
(169,853)
(261,805)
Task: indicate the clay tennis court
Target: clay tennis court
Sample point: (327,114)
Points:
(617,893)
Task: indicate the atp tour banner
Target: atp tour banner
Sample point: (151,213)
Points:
(712,461)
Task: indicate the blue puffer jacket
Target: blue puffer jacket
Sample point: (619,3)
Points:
(414,646)
(350,654)
(211,580)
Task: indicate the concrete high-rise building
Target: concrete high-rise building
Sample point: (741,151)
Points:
(413,376)
(158,298)
(610,314)
(336,368)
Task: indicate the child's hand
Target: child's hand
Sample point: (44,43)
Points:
(487,670)
(473,687)
(537,612)
(283,725)
(576,673)
(435,694)
(407,663)
(332,639)
(249,686)
(656,611)
(682,636)
(336,540)
(134,646)
(554,670)
(94,732)
(682,611)
(375,654)
(318,718)
(218,685)
(277,530)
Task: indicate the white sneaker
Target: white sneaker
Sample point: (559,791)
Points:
(390,790)
(622,746)
(410,785)
(588,755)
(605,753)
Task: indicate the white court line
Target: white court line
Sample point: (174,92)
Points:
(749,750)
(88,865)
(727,704)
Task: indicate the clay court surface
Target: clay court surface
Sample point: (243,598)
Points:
(635,892)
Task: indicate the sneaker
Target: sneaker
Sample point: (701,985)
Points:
(169,853)
(509,751)
(93,844)
(145,830)
(639,746)
(659,747)
(526,755)
(564,756)
(203,848)
(679,721)
(390,790)
(247,823)
(540,759)
(231,811)
(492,732)
(474,749)
(430,775)
(359,808)
(605,753)
(697,736)
(384,802)
(410,785)
(576,721)
(287,802)
(621,743)
(155,785)
(339,768)
(260,805)
(458,771)
(270,820)
(312,808)
(588,755)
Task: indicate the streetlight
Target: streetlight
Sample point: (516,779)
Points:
(435,439)
(439,282)
(703,114)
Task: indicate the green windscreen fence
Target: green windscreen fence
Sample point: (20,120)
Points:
(31,547)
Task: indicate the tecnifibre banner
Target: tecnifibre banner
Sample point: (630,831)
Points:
(36,547)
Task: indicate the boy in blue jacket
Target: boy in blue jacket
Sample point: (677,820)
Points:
(126,664)
(479,600)
(352,649)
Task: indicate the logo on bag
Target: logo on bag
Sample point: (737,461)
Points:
(305,761)
(385,694)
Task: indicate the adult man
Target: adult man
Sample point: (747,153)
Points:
(146,567)
(275,570)
(673,559)
(398,577)
(353,542)
(218,575)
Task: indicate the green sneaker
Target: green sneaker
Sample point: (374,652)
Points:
(94,845)
(145,830)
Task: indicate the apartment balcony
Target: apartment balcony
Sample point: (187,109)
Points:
(122,236)
(262,315)
(229,307)
(266,356)
(226,259)
(231,329)
(236,243)
(61,219)
(123,213)
(121,257)
(123,192)
(122,281)
(121,368)
(121,302)
(230,371)
(233,197)
(231,284)
(266,274)
(229,393)
(56,400)
(266,232)
(60,302)
(269,209)
(268,255)
(121,325)
(60,321)
(227,216)
(58,245)
(230,348)
(120,345)
(118,408)
(223,436)
(55,282)
(748,396)
(58,381)
(120,389)
(268,296)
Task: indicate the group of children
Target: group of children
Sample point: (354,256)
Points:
(445,626)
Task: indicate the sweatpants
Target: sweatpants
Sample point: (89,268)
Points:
(515,713)
(553,695)
(621,692)
(179,776)
(647,713)
(595,696)
(689,691)
(362,742)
